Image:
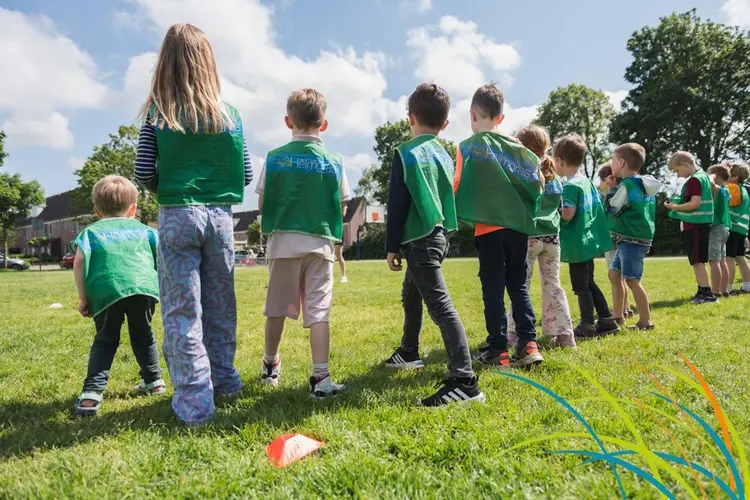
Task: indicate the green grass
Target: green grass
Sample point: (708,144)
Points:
(379,444)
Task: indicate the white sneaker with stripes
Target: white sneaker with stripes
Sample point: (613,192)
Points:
(403,360)
(454,390)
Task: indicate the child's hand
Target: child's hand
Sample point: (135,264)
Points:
(669,205)
(394,261)
(83,308)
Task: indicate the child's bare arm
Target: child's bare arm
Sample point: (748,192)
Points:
(693,204)
(78,265)
(260,204)
(568,213)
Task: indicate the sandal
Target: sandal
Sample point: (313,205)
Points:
(88,411)
(641,327)
(153,389)
(619,321)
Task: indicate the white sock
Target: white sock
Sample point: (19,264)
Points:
(729,288)
(746,286)
(271,360)
(320,371)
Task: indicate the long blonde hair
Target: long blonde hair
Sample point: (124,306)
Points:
(185,88)
(537,140)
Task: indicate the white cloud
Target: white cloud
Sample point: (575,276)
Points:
(359,162)
(616,98)
(258,76)
(415,5)
(459,58)
(45,130)
(737,12)
(47,73)
(76,163)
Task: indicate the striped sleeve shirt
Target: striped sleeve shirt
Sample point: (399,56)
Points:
(145,161)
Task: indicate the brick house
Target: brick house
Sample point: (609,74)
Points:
(59,221)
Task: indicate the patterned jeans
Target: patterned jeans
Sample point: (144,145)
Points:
(198,307)
(555,310)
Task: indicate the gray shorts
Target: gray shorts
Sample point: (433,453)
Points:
(717,243)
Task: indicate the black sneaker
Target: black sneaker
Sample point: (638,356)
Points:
(585,331)
(704,298)
(403,360)
(493,357)
(725,295)
(453,390)
(607,325)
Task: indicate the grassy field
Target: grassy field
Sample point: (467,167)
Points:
(379,444)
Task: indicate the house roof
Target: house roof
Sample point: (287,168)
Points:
(351,208)
(59,206)
(244,219)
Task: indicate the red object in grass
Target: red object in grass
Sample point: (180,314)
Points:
(290,448)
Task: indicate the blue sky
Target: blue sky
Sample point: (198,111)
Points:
(75,70)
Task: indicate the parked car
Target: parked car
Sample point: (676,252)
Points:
(15,264)
(67,261)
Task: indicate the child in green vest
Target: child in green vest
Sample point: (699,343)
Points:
(544,247)
(607,186)
(192,154)
(499,188)
(633,211)
(302,192)
(694,208)
(717,245)
(421,210)
(583,237)
(739,211)
(115,275)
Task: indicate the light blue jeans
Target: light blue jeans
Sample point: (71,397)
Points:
(198,307)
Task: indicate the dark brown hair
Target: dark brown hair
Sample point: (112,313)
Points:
(536,139)
(307,109)
(114,195)
(430,105)
(489,101)
(721,171)
(604,171)
(633,154)
(571,149)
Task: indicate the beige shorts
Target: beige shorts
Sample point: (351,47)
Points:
(305,282)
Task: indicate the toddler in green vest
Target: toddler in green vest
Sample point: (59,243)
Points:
(607,186)
(115,275)
(739,212)
(717,245)
(633,211)
(421,210)
(583,237)
(302,192)
(694,208)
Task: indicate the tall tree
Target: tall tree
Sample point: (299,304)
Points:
(3,154)
(116,157)
(16,200)
(577,109)
(690,90)
(374,181)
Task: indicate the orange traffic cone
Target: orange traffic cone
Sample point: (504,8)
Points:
(290,448)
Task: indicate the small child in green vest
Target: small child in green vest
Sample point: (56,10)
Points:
(717,245)
(115,275)
(633,209)
(739,211)
(694,208)
(421,210)
(583,237)
(302,193)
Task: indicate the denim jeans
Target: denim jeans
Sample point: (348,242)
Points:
(503,265)
(629,259)
(424,281)
(198,307)
(590,297)
(139,310)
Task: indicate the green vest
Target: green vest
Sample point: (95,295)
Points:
(637,219)
(119,261)
(722,216)
(548,216)
(201,169)
(586,235)
(705,213)
(428,174)
(302,191)
(499,183)
(740,214)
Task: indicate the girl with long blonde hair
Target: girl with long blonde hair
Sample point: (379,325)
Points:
(192,154)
